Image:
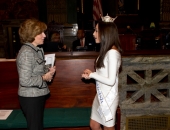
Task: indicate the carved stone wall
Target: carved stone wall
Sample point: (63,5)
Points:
(144,86)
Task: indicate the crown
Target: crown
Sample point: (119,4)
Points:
(107,18)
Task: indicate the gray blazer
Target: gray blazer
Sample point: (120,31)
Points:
(31,66)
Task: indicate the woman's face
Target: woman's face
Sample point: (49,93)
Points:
(96,34)
(39,39)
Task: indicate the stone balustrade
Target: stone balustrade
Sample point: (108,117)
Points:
(144,86)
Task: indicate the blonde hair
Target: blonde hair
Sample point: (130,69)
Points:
(29,29)
(55,37)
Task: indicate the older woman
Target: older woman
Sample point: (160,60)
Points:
(33,74)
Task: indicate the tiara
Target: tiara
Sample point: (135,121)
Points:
(107,18)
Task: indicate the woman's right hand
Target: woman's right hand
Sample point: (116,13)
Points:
(86,74)
(64,47)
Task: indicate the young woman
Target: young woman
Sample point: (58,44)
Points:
(107,69)
(33,74)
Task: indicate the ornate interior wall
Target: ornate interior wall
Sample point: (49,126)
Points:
(18,9)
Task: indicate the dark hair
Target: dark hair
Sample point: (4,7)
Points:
(30,28)
(109,37)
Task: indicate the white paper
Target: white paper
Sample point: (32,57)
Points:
(4,114)
(50,59)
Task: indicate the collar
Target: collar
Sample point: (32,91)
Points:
(33,47)
(36,49)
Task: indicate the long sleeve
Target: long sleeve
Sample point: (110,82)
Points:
(26,76)
(108,74)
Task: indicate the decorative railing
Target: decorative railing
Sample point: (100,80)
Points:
(144,86)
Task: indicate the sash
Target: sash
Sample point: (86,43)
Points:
(105,103)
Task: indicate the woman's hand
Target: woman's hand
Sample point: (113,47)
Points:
(87,71)
(52,70)
(86,74)
(49,75)
(64,47)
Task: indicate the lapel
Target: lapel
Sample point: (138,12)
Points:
(37,50)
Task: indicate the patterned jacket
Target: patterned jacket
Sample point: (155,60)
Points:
(31,66)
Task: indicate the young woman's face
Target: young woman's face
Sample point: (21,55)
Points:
(39,39)
(96,34)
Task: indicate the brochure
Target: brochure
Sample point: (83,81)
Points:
(4,114)
(50,59)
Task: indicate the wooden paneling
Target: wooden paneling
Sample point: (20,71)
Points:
(67,88)
(9,85)
(128,41)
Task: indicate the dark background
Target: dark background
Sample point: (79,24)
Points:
(149,11)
